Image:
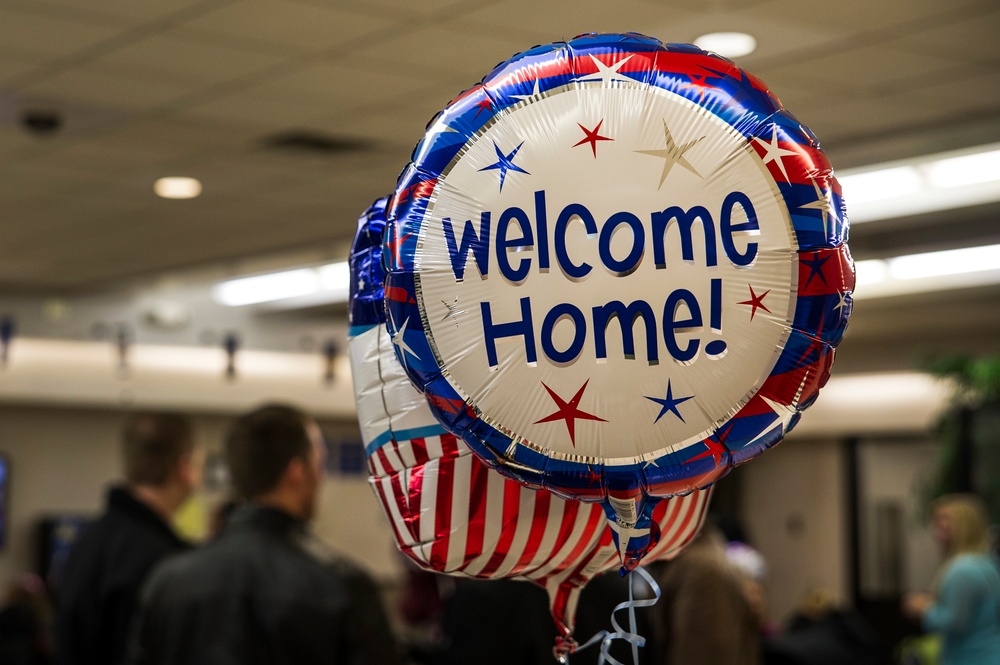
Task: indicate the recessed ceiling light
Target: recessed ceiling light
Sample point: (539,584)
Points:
(177,188)
(728,44)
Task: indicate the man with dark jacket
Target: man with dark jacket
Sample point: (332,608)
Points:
(266,590)
(99,589)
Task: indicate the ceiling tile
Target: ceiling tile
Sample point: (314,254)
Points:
(112,92)
(45,38)
(295,28)
(95,156)
(870,116)
(451,51)
(119,12)
(182,62)
(172,136)
(341,86)
(406,6)
(976,39)
(11,67)
(859,16)
(400,125)
(266,107)
(853,71)
(977,93)
(554,21)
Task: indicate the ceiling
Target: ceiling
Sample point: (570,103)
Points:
(203,88)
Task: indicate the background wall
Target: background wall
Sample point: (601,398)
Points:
(795,513)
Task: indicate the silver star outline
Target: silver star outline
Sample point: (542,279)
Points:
(453,311)
(843,302)
(823,203)
(672,154)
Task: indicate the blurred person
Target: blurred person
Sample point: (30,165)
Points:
(497,622)
(753,567)
(24,623)
(107,566)
(964,607)
(821,632)
(703,615)
(265,590)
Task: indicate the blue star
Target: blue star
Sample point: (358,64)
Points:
(816,267)
(669,403)
(505,163)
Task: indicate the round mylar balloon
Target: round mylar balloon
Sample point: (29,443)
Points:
(449,512)
(616,268)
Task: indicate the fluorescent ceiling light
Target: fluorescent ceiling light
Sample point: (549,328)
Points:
(930,183)
(879,185)
(930,271)
(177,188)
(728,44)
(289,289)
(264,288)
(966,170)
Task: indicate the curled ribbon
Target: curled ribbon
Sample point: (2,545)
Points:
(605,638)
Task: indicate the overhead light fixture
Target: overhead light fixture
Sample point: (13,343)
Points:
(728,44)
(288,289)
(929,271)
(177,188)
(265,288)
(942,181)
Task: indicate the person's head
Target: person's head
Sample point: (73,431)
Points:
(160,454)
(276,456)
(958,523)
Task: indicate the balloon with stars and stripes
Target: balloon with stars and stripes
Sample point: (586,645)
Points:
(449,512)
(617,268)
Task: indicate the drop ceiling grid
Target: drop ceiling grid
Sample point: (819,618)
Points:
(378,70)
(540,22)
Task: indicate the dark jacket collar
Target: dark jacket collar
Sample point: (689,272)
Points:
(122,501)
(268,518)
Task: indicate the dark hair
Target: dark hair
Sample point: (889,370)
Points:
(262,443)
(153,443)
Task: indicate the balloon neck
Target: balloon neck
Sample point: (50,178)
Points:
(634,530)
(629,564)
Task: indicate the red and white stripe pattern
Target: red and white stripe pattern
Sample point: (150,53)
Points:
(451,514)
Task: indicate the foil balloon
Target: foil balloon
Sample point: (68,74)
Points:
(449,512)
(617,268)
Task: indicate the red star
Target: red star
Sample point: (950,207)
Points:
(756,301)
(592,136)
(395,246)
(592,477)
(484,105)
(452,406)
(715,448)
(569,411)
(404,195)
(815,342)
(699,84)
